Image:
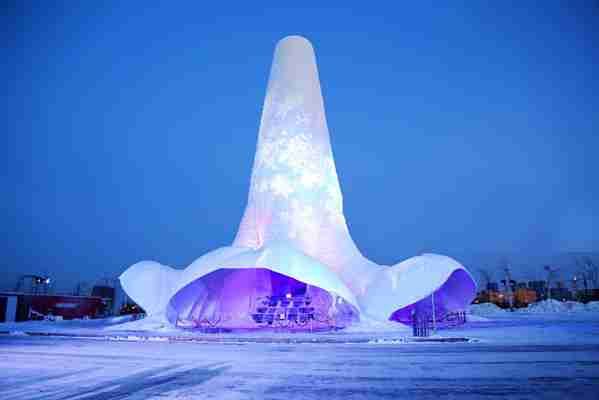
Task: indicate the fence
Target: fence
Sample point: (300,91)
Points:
(422,323)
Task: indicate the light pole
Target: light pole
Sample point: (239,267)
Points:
(434,318)
(508,287)
(551,272)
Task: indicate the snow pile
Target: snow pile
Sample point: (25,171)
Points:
(575,306)
(592,306)
(132,338)
(64,326)
(371,325)
(388,341)
(155,323)
(545,306)
(549,306)
(477,318)
(485,310)
(555,306)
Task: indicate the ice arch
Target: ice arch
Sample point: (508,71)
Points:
(417,284)
(231,285)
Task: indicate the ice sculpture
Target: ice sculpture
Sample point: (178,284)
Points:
(293,262)
(295,194)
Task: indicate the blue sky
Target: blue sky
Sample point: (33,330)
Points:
(459,129)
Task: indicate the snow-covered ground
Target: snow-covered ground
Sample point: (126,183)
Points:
(54,368)
(487,322)
(551,308)
(544,352)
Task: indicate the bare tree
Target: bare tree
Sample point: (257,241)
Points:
(551,276)
(485,277)
(591,271)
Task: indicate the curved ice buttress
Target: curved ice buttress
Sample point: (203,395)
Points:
(408,285)
(150,284)
(280,258)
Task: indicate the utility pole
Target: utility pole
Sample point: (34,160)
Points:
(508,287)
(434,317)
(551,273)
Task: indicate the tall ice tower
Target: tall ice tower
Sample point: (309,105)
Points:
(293,263)
(295,194)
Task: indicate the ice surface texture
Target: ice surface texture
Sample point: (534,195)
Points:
(294,226)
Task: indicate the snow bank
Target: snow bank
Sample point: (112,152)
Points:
(132,338)
(69,326)
(388,341)
(592,306)
(154,323)
(371,325)
(477,318)
(550,306)
(485,310)
(555,306)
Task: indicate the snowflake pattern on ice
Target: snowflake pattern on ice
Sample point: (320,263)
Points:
(295,194)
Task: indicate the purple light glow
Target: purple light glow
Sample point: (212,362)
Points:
(294,223)
(251,298)
(454,295)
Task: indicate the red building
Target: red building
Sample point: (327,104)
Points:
(65,306)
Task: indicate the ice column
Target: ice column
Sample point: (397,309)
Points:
(295,194)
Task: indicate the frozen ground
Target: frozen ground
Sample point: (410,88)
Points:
(546,355)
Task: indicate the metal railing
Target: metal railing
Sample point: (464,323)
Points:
(423,324)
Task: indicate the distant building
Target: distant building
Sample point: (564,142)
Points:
(525,296)
(8,308)
(562,294)
(23,306)
(540,288)
(492,296)
(107,294)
